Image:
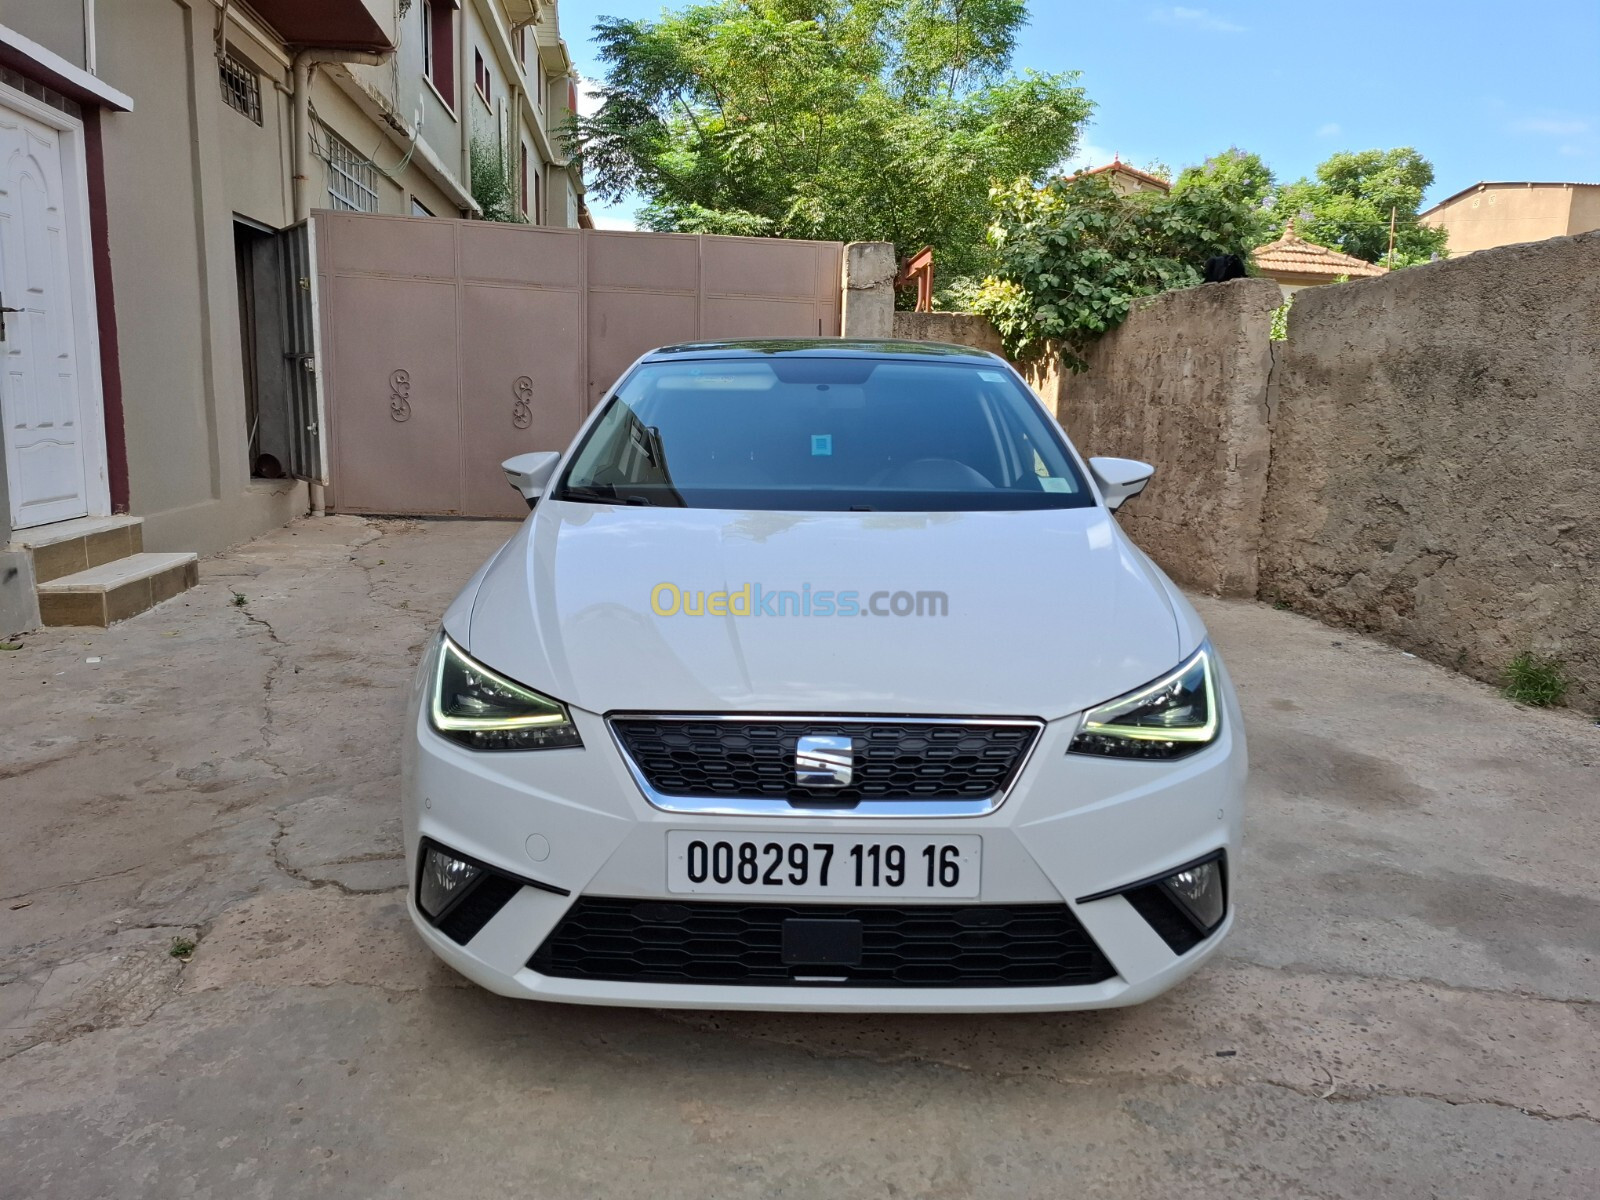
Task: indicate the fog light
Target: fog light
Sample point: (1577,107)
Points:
(444,878)
(1199,891)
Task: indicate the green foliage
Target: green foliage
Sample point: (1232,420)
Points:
(1280,320)
(1075,255)
(493,185)
(839,119)
(1348,205)
(1238,177)
(1540,682)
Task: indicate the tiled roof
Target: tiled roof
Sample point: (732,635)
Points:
(1117,166)
(1293,255)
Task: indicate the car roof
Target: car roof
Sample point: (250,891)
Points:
(886,348)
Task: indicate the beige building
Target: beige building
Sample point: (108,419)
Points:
(1296,263)
(1128,180)
(157,159)
(1500,214)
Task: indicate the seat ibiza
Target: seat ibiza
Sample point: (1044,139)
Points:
(821,677)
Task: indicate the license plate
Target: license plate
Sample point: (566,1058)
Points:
(823,865)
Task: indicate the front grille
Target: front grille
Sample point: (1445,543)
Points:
(892,760)
(978,945)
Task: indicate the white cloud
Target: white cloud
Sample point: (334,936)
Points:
(589,100)
(1552,126)
(1331,129)
(1197,18)
(1086,157)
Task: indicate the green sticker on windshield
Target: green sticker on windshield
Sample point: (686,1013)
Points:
(821,443)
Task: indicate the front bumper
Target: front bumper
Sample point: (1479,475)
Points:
(575,822)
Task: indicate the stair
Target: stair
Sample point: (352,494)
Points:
(94,570)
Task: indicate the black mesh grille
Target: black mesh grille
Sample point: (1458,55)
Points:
(1022,945)
(893,760)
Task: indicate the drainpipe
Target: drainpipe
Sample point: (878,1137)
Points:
(304,69)
(90,51)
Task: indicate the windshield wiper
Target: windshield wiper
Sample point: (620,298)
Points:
(604,493)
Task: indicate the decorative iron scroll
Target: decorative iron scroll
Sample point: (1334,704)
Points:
(522,410)
(399,390)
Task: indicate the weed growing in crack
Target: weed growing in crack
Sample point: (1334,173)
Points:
(239,600)
(1539,682)
(182,949)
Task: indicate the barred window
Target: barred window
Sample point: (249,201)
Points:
(241,87)
(352,180)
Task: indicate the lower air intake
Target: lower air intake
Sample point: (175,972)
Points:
(988,945)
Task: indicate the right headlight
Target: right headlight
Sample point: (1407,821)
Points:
(1169,718)
(483,710)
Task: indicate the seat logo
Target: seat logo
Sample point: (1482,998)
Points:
(823,762)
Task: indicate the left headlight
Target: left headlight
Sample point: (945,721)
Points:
(1169,718)
(484,710)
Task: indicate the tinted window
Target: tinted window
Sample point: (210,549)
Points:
(824,434)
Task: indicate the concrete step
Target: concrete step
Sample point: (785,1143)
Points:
(114,591)
(67,547)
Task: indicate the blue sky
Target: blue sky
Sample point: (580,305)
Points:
(1486,90)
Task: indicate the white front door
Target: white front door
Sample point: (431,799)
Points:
(49,368)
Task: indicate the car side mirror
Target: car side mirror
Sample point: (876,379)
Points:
(1120,479)
(530,473)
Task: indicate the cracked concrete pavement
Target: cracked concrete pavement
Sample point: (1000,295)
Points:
(1408,1005)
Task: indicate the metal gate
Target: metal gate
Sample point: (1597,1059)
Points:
(448,346)
(282,346)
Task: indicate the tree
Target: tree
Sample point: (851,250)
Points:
(838,119)
(1236,172)
(1347,206)
(1075,255)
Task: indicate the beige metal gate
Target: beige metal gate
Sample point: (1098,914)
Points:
(448,346)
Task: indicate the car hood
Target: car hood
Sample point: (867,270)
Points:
(1049,612)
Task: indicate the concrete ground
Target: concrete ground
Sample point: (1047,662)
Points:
(1408,1007)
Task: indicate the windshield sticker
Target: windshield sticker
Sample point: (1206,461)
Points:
(821,444)
(1054,483)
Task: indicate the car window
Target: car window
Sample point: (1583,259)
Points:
(824,434)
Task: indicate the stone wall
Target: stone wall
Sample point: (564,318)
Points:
(961,329)
(1435,469)
(1420,460)
(1182,384)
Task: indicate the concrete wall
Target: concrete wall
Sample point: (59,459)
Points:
(170,198)
(1420,460)
(1182,384)
(961,329)
(1436,461)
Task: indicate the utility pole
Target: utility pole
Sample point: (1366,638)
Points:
(1393,211)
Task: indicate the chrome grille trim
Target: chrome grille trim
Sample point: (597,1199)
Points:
(730,806)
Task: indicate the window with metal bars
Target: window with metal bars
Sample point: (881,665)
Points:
(241,87)
(352,179)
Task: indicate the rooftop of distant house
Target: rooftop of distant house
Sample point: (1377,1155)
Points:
(1291,254)
(1117,167)
(1485,184)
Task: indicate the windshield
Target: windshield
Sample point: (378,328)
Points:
(806,434)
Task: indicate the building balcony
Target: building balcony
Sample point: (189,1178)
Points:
(325,24)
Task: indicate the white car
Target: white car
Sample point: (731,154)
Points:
(822,678)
